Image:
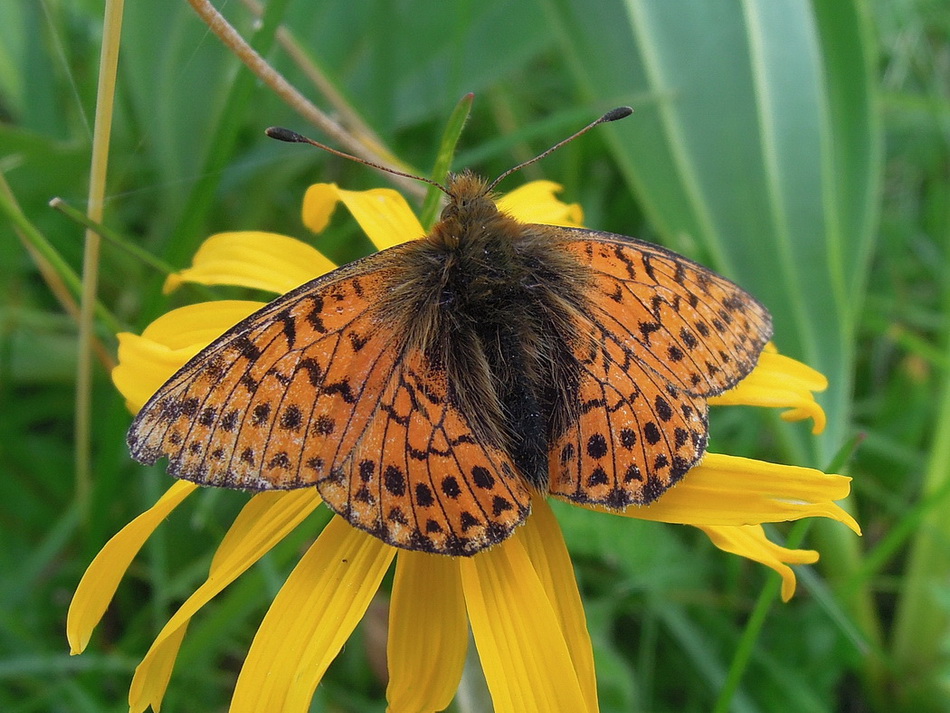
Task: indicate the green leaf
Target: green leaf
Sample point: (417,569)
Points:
(754,147)
(443,160)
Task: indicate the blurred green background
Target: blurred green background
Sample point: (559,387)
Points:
(801,148)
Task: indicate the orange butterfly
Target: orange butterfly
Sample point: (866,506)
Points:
(427,390)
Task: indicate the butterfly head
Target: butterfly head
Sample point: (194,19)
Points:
(471,211)
(468,193)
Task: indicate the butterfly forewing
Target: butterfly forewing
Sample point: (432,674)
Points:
(696,329)
(223,416)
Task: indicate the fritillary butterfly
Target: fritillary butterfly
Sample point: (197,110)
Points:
(428,390)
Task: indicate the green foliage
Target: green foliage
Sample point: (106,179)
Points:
(800,148)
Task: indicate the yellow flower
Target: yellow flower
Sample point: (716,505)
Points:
(520,598)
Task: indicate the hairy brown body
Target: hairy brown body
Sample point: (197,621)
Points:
(494,304)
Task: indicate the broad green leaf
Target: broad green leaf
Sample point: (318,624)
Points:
(754,148)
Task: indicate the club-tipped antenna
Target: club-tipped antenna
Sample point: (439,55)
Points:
(620,112)
(282,134)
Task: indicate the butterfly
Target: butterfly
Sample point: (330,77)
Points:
(429,390)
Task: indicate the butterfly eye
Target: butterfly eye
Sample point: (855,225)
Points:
(451,211)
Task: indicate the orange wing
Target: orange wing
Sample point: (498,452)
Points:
(662,334)
(417,477)
(314,389)
(694,328)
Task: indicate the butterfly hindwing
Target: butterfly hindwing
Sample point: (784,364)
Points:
(635,434)
(419,478)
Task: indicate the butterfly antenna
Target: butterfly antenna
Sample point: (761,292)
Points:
(620,112)
(292,137)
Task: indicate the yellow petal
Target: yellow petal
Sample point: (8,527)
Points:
(728,490)
(143,367)
(382,213)
(251,258)
(750,541)
(149,683)
(199,324)
(147,361)
(428,633)
(311,618)
(780,382)
(535,202)
(262,523)
(544,543)
(523,652)
(102,577)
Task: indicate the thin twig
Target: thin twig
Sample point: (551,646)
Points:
(350,118)
(286,91)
